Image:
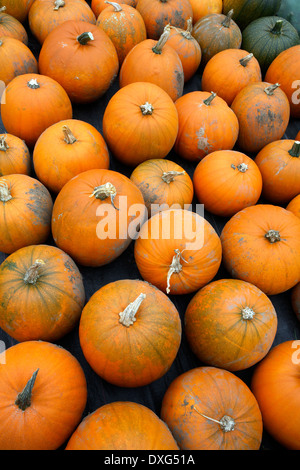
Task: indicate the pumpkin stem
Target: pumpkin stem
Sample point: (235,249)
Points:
(2,9)
(294,152)
(104,191)
(116,6)
(4,192)
(273,236)
(247,313)
(169,176)
(210,98)
(227,21)
(270,89)
(175,267)
(244,61)
(127,317)
(277,27)
(69,137)
(187,33)
(23,400)
(1,42)
(226,423)
(84,38)
(146,108)
(33,83)
(242,167)
(58,4)
(157,49)
(32,273)
(3,143)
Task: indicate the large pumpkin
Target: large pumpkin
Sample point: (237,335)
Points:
(261,245)
(178,251)
(122,425)
(246,11)
(230,324)
(43,396)
(140,122)
(25,212)
(50,294)
(130,333)
(99,5)
(275,384)
(209,408)
(15,59)
(91,57)
(103,208)
(18,9)
(14,156)
(10,26)
(294,205)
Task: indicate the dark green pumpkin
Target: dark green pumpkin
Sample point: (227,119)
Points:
(246,11)
(267,37)
(290,10)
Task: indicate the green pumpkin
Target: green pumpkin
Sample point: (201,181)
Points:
(267,37)
(246,11)
(290,10)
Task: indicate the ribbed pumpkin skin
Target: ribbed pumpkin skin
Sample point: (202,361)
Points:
(15,59)
(10,26)
(273,267)
(243,317)
(215,393)
(60,383)
(285,70)
(134,355)
(205,7)
(14,156)
(99,5)
(47,306)
(275,383)
(18,9)
(135,427)
(294,206)
(246,11)
(295,299)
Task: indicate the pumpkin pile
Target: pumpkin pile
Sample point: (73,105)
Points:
(149,225)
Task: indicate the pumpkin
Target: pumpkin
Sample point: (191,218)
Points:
(124,25)
(10,26)
(39,101)
(50,294)
(275,383)
(18,9)
(66,149)
(290,11)
(140,122)
(246,11)
(45,15)
(205,7)
(159,13)
(228,72)
(261,245)
(227,181)
(101,207)
(154,62)
(295,299)
(294,205)
(267,37)
(14,156)
(43,396)
(164,184)
(243,317)
(263,112)
(93,433)
(130,333)
(279,164)
(25,212)
(205,124)
(187,48)
(15,59)
(208,408)
(99,5)
(216,32)
(88,49)
(177,251)
(285,70)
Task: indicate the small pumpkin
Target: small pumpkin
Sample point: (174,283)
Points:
(15,59)
(263,112)
(44,394)
(14,156)
(18,9)
(261,245)
(39,101)
(205,7)
(208,408)
(25,212)
(295,299)
(246,11)
(99,5)
(205,124)
(148,433)
(294,205)
(66,149)
(227,181)
(10,26)
(163,184)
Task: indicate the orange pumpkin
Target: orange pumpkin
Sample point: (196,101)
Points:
(228,72)
(14,156)
(294,205)
(227,181)
(25,212)
(177,251)
(94,433)
(263,112)
(140,122)
(206,124)
(279,164)
(261,245)
(43,396)
(275,384)
(155,62)
(163,184)
(99,5)
(45,15)
(18,9)
(230,324)
(130,333)
(66,149)
(295,299)
(101,207)
(124,25)
(15,59)
(88,49)
(208,408)
(205,7)
(38,101)
(10,26)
